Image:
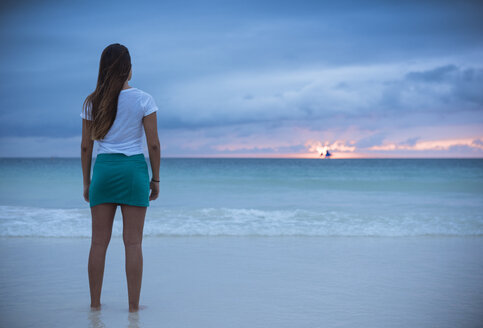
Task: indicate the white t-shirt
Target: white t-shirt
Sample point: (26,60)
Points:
(127,132)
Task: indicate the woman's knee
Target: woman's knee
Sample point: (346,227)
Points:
(100,241)
(132,240)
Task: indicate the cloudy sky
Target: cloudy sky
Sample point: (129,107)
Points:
(253,78)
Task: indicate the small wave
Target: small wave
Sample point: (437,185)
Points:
(18,221)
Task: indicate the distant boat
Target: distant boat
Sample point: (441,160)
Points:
(325,154)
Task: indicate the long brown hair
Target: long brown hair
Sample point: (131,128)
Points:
(114,68)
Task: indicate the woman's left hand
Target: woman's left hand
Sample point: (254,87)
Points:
(86,192)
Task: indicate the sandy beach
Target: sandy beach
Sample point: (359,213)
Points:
(250,282)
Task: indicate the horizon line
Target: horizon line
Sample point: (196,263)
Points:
(245,157)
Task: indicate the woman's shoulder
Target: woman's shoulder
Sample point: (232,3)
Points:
(136,90)
(144,99)
(138,93)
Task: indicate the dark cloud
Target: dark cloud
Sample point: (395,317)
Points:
(464,84)
(437,74)
(372,140)
(411,141)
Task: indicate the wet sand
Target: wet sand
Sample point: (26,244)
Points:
(250,282)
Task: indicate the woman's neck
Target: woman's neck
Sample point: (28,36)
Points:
(126,86)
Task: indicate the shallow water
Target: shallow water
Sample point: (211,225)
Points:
(250,282)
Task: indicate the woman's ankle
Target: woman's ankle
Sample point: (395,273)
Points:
(95,306)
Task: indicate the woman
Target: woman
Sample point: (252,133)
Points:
(115,115)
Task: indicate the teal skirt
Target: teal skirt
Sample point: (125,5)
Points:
(119,179)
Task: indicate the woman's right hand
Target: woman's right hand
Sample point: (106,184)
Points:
(86,192)
(154,187)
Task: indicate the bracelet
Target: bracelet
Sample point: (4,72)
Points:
(154,180)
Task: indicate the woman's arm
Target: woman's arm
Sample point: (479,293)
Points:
(151,129)
(154,149)
(86,155)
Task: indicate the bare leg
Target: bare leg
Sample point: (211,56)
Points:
(102,219)
(133,224)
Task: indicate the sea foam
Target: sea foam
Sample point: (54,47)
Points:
(17,221)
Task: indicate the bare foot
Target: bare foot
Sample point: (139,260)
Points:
(136,309)
(95,307)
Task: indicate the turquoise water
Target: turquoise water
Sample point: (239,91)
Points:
(353,197)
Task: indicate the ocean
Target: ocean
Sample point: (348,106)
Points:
(42,197)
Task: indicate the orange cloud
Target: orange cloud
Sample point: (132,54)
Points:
(433,145)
